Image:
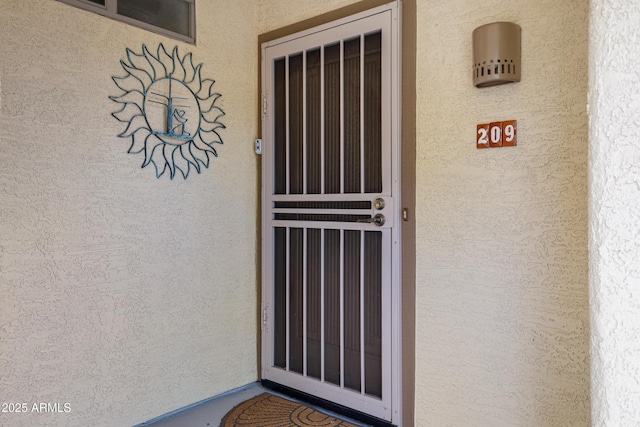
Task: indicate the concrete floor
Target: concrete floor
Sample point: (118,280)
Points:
(211,412)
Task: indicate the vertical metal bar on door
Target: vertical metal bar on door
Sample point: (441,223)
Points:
(304,122)
(322,234)
(322,135)
(342,308)
(362,233)
(322,305)
(287,125)
(342,165)
(362,190)
(287,292)
(305,252)
(362,187)
(362,371)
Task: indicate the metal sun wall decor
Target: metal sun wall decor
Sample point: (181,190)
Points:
(169,111)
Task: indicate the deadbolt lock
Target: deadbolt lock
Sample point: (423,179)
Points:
(378,203)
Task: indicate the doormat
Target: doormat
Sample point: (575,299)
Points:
(267,410)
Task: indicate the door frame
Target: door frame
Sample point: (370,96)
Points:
(404,129)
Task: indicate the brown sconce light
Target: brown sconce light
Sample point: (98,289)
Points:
(496,54)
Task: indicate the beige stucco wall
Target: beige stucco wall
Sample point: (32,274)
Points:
(124,295)
(502,285)
(614,222)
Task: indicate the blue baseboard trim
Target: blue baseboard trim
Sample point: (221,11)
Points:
(193,405)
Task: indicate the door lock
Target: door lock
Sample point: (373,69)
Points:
(378,220)
(378,203)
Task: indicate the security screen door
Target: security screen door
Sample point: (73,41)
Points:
(330,198)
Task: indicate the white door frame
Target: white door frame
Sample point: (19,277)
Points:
(395,352)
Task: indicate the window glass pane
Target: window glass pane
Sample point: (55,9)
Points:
(172,15)
(100,2)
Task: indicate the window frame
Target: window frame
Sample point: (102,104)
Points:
(110,10)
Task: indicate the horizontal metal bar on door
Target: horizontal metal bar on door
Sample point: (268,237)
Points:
(327,225)
(348,197)
(322,211)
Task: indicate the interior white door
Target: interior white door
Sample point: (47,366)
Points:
(330,212)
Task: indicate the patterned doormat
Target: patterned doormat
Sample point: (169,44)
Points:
(267,410)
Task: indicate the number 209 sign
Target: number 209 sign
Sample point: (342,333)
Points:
(497,134)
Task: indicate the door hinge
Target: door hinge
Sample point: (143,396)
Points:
(264,104)
(264,317)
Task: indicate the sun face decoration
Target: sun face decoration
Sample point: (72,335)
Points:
(169,110)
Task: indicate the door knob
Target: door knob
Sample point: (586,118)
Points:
(378,220)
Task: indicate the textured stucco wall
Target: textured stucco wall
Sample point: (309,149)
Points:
(124,295)
(502,282)
(614,222)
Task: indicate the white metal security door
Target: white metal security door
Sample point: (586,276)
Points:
(330,220)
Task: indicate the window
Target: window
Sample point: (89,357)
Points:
(172,18)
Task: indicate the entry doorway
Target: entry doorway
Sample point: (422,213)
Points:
(331,212)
